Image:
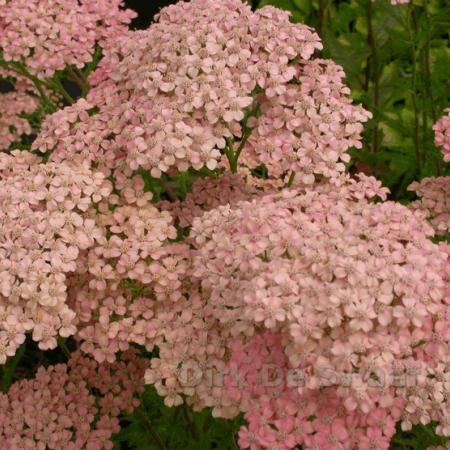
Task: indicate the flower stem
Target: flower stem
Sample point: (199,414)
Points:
(80,79)
(10,367)
(190,423)
(21,70)
(149,427)
(412,33)
(376,74)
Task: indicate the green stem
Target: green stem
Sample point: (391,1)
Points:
(182,183)
(376,74)
(229,152)
(412,33)
(93,64)
(149,427)
(321,16)
(54,85)
(291,180)
(402,441)
(190,423)
(428,64)
(10,367)
(233,156)
(58,87)
(21,70)
(427,79)
(328,25)
(169,190)
(246,135)
(80,79)
(424,106)
(63,346)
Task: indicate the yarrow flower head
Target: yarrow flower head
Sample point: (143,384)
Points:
(44,229)
(57,409)
(211,79)
(442,134)
(433,192)
(434,201)
(127,275)
(53,34)
(75,253)
(340,282)
(12,123)
(279,416)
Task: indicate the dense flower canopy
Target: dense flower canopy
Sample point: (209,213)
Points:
(195,204)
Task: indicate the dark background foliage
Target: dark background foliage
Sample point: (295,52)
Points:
(146,10)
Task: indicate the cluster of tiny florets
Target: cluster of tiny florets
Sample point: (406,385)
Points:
(194,85)
(50,35)
(239,283)
(13,124)
(280,416)
(44,229)
(122,279)
(75,254)
(281,261)
(207,194)
(433,192)
(434,201)
(364,301)
(57,409)
(442,134)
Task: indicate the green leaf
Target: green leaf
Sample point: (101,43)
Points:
(305,6)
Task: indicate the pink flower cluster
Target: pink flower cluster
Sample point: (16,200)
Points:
(433,192)
(44,230)
(57,410)
(123,278)
(82,256)
(281,417)
(50,35)
(434,201)
(307,128)
(12,124)
(207,194)
(442,134)
(194,85)
(268,259)
(320,276)
(357,302)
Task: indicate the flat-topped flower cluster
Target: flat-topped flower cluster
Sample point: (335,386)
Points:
(57,409)
(49,35)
